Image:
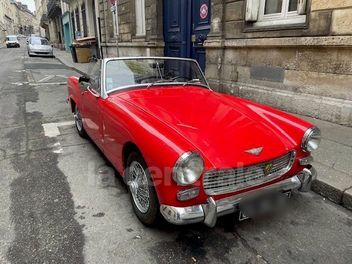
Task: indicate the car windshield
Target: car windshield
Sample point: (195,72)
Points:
(124,73)
(39,41)
(11,38)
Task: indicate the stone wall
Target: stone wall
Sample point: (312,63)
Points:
(127,43)
(305,69)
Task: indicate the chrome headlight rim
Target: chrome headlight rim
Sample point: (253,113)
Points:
(311,132)
(181,162)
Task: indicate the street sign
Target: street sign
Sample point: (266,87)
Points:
(203,11)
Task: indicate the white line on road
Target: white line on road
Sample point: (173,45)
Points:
(52,129)
(46,78)
(53,83)
(19,83)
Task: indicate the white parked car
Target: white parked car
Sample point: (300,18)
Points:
(38,46)
(12,41)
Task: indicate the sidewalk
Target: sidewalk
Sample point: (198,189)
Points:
(333,160)
(65,58)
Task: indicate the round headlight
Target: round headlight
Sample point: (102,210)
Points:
(311,139)
(188,168)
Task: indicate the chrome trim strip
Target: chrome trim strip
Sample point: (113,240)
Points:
(306,135)
(182,215)
(142,85)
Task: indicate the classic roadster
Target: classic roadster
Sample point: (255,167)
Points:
(187,153)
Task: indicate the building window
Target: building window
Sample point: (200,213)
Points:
(140,17)
(280,12)
(78,24)
(73,23)
(115,19)
(84,20)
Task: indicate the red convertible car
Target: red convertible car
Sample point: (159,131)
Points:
(187,153)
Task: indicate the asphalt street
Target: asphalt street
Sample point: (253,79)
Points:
(62,203)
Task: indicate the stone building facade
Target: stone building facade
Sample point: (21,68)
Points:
(303,67)
(7,19)
(134,26)
(26,20)
(15,18)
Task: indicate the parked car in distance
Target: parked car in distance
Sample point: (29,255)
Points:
(38,46)
(186,152)
(12,41)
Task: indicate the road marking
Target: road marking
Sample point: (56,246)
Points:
(58,147)
(46,78)
(52,83)
(19,83)
(52,129)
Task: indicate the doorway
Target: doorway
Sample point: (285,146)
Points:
(186,27)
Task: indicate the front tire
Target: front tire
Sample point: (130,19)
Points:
(79,123)
(142,192)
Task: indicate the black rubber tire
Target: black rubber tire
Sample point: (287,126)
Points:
(81,132)
(152,217)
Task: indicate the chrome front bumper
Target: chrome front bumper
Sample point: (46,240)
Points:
(209,212)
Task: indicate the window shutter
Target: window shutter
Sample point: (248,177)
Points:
(252,10)
(301,7)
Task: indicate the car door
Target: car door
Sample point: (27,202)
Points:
(91,105)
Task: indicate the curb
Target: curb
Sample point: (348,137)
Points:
(340,197)
(70,67)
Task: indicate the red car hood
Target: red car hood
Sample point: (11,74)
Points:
(221,127)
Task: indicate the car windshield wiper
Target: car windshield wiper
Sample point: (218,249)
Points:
(192,81)
(153,83)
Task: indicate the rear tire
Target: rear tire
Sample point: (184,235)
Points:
(79,123)
(142,192)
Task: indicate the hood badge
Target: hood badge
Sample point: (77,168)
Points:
(255,151)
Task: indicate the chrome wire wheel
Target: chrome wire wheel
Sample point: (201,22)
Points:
(78,119)
(138,185)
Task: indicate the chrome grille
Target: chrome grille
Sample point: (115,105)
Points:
(225,181)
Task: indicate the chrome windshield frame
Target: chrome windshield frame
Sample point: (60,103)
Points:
(106,93)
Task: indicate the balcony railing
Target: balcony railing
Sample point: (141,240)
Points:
(54,8)
(44,21)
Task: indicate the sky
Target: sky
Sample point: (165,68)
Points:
(30,3)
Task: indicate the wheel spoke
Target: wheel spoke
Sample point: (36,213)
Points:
(139,186)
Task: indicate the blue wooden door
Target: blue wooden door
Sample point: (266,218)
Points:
(200,29)
(186,26)
(176,29)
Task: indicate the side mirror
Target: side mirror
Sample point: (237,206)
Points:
(83,79)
